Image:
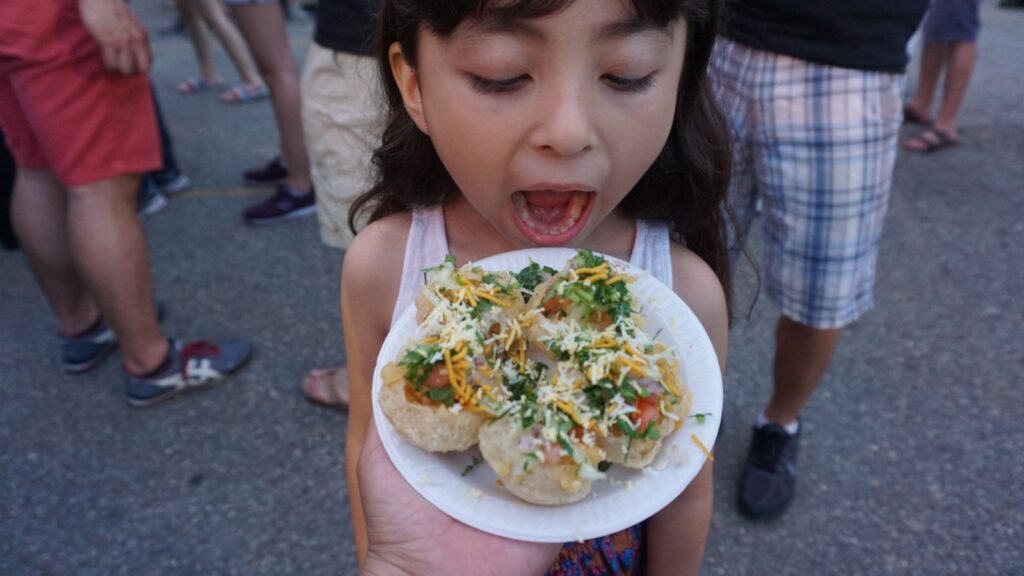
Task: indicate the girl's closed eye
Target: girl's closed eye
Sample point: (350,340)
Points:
(499,85)
(624,84)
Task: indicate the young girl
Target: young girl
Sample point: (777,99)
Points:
(527,123)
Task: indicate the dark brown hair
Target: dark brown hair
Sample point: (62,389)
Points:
(685,186)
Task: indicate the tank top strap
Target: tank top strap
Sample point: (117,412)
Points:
(427,246)
(652,250)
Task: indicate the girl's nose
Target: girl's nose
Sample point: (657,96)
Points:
(565,122)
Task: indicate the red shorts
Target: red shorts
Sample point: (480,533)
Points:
(60,109)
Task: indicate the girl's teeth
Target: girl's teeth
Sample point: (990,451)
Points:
(568,217)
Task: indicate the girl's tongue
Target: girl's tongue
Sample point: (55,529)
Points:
(550,217)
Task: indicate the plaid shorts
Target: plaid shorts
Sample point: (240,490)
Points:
(817,145)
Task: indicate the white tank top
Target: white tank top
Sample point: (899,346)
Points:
(428,245)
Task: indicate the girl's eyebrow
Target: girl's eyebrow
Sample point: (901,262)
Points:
(497,24)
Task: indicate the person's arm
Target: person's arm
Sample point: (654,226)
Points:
(369,288)
(676,535)
(123,41)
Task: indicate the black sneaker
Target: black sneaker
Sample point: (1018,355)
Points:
(273,172)
(285,204)
(151,200)
(172,181)
(769,475)
(187,367)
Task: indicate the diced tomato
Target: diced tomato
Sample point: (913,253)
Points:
(552,305)
(648,412)
(438,377)
(576,433)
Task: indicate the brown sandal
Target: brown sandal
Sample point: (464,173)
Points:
(327,387)
(930,140)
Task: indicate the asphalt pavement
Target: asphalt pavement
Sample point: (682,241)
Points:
(911,460)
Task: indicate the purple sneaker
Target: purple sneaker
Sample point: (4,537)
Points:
(273,172)
(285,204)
(187,367)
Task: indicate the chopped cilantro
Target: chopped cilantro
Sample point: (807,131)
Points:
(481,308)
(469,468)
(531,276)
(700,418)
(417,363)
(445,395)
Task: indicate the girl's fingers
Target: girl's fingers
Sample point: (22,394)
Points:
(142,58)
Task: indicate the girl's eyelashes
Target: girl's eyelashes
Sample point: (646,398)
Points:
(505,85)
(629,84)
(499,86)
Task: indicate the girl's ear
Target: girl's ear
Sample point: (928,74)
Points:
(408,84)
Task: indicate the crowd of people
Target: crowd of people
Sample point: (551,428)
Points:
(464,130)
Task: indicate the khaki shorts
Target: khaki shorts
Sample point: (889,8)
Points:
(342,116)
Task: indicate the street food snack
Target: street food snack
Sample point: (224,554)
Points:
(443,387)
(548,370)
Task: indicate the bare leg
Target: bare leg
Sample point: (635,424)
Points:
(802,354)
(264,30)
(213,12)
(932,58)
(109,251)
(200,43)
(39,214)
(959,67)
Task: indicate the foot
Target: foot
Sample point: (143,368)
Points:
(172,181)
(273,172)
(242,94)
(285,204)
(769,475)
(327,387)
(187,367)
(151,200)
(196,84)
(84,351)
(914,115)
(931,140)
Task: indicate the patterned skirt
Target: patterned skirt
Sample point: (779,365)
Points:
(618,554)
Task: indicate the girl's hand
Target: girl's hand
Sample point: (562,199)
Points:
(122,39)
(409,536)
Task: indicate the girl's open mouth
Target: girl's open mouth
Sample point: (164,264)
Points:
(551,217)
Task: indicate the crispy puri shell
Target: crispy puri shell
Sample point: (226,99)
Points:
(544,484)
(641,452)
(432,428)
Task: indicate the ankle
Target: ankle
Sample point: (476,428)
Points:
(790,422)
(148,359)
(947,127)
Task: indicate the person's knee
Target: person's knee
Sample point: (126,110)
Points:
(119,190)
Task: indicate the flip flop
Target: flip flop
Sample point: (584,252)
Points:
(931,140)
(911,117)
(196,84)
(319,388)
(242,94)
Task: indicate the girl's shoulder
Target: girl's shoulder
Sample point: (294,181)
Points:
(697,284)
(372,270)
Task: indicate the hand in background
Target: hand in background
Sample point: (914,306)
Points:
(408,535)
(122,39)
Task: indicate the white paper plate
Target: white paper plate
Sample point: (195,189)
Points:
(627,497)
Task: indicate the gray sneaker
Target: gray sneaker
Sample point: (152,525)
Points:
(187,367)
(85,351)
